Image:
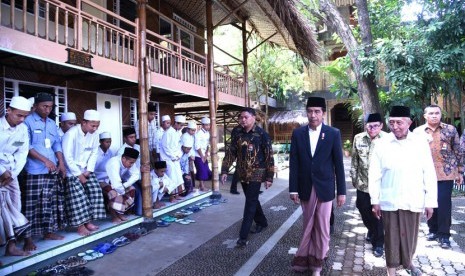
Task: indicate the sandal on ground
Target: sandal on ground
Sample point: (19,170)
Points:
(105,248)
(162,223)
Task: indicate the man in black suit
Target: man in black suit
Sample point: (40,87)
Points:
(316,164)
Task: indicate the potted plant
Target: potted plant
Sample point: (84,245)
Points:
(347,146)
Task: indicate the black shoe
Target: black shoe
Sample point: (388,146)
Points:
(235,193)
(241,243)
(378,252)
(432,236)
(445,243)
(368,236)
(258,229)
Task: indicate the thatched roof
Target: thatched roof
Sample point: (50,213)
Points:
(289,117)
(264,17)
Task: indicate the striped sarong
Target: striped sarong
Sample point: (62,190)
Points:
(44,204)
(117,202)
(12,222)
(84,203)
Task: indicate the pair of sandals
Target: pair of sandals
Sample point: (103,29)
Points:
(136,233)
(168,219)
(72,261)
(120,241)
(105,248)
(90,255)
(185,221)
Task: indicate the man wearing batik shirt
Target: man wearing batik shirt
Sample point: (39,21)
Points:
(44,190)
(251,149)
(447,155)
(359,173)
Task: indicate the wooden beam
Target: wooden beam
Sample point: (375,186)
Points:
(268,38)
(230,13)
(245,55)
(274,23)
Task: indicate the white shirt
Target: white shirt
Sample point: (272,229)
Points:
(170,148)
(120,176)
(152,129)
(401,174)
(14,147)
(314,137)
(158,136)
(136,147)
(187,136)
(202,141)
(100,169)
(157,191)
(79,150)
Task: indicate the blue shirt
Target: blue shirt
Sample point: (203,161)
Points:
(44,138)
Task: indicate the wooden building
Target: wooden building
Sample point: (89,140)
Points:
(107,54)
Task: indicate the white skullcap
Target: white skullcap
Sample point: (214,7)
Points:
(180,119)
(187,141)
(205,121)
(92,115)
(67,116)
(192,125)
(165,118)
(104,135)
(20,103)
(32,100)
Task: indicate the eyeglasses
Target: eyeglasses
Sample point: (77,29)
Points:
(373,126)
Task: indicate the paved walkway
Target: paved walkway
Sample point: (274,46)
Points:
(207,246)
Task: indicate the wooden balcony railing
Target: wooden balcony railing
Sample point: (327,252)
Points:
(101,33)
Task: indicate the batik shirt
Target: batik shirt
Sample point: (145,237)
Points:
(253,154)
(446,149)
(360,160)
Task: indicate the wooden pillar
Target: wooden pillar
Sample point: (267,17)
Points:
(244,63)
(212,99)
(143,101)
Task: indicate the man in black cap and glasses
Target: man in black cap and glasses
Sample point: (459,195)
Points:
(359,173)
(402,185)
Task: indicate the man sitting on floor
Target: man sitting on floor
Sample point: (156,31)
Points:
(129,138)
(161,184)
(122,174)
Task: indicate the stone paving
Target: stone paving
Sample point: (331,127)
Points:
(207,247)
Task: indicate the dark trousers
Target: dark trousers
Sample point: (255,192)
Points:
(253,209)
(374,225)
(138,199)
(441,220)
(234,181)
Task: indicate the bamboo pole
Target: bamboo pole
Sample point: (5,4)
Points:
(143,101)
(212,102)
(245,54)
